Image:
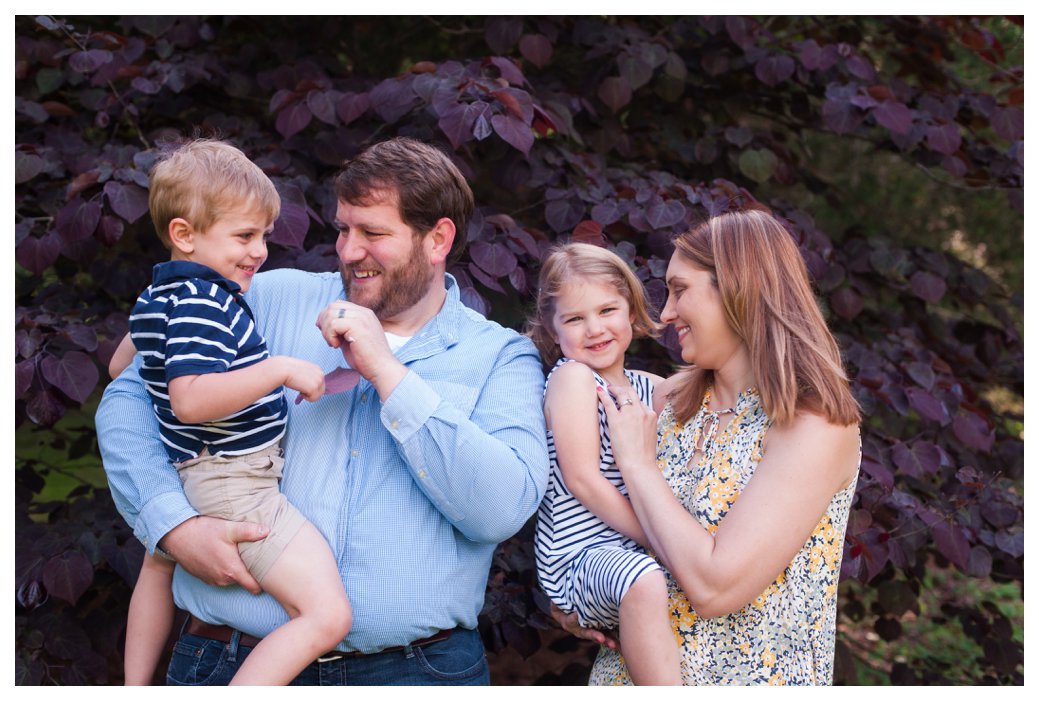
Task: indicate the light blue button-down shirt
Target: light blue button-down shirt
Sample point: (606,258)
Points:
(412,494)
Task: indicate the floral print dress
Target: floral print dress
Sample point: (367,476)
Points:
(786,635)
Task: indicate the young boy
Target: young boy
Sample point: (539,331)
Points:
(218,397)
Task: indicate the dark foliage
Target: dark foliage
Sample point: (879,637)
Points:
(621,131)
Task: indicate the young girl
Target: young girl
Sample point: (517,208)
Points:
(589,544)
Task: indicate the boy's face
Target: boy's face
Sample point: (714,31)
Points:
(235,245)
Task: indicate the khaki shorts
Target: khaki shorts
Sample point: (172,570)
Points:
(245,488)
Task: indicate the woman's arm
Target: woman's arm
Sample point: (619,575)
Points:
(571,413)
(805,464)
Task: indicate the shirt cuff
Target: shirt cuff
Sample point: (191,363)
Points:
(160,516)
(409,406)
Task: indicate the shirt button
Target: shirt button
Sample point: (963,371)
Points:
(355,452)
(364,397)
(394,424)
(422,474)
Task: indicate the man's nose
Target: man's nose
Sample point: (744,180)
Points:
(348,247)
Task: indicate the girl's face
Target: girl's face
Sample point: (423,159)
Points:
(592,324)
(694,307)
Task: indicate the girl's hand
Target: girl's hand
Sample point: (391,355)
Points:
(633,429)
(568,622)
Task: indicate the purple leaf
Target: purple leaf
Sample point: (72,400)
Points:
(564,214)
(488,281)
(841,116)
(89,61)
(38,254)
(927,286)
(919,460)
(502,33)
(280,100)
(859,67)
(352,105)
(494,259)
(773,70)
(980,562)
(68,575)
(926,405)
(482,127)
(393,98)
(536,48)
(291,226)
(943,138)
(74,373)
(1009,122)
(457,122)
(816,58)
(741,30)
(974,432)
(590,232)
(634,70)
(45,408)
(81,335)
(894,116)
(293,119)
(474,300)
(1012,543)
(109,230)
(322,104)
(846,302)
(952,543)
(509,70)
(128,201)
(738,136)
(24,372)
(663,214)
(606,212)
(518,103)
(999,513)
(514,132)
(615,92)
(27,166)
(922,374)
(77,220)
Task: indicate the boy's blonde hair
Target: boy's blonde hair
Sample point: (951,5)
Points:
(203,179)
(583,261)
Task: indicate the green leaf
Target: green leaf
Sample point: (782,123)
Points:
(758,164)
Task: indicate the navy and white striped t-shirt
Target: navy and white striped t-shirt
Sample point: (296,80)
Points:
(193,321)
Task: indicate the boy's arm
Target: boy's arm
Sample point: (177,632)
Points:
(572,414)
(122,357)
(211,396)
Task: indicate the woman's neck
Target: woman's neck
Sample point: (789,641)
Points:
(730,380)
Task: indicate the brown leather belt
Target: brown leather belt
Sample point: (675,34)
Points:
(223,634)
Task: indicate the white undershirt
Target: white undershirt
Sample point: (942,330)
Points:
(395,342)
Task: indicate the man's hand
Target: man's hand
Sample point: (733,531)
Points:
(357,332)
(207,547)
(568,622)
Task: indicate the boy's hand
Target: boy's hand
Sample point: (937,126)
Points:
(304,377)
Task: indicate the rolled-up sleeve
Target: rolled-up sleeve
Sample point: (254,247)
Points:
(145,486)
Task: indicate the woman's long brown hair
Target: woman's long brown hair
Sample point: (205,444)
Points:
(769,303)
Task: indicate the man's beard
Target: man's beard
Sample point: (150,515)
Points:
(399,289)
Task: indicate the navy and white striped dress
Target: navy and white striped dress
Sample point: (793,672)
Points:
(584,565)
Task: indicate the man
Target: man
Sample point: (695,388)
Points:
(413,476)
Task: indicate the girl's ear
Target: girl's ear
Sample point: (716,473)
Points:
(182,237)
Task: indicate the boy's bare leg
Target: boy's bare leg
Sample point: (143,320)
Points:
(305,581)
(647,641)
(149,621)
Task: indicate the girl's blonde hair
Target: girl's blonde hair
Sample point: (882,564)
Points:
(768,302)
(586,262)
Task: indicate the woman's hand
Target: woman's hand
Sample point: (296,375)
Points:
(568,622)
(633,429)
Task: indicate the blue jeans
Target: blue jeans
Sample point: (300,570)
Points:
(457,661)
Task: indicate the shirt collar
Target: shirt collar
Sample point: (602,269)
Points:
(174,270)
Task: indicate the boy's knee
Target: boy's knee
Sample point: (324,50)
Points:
(651,586)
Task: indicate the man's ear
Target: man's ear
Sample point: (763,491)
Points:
(182,237)
(439,240)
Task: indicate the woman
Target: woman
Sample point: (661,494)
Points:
(744,482)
